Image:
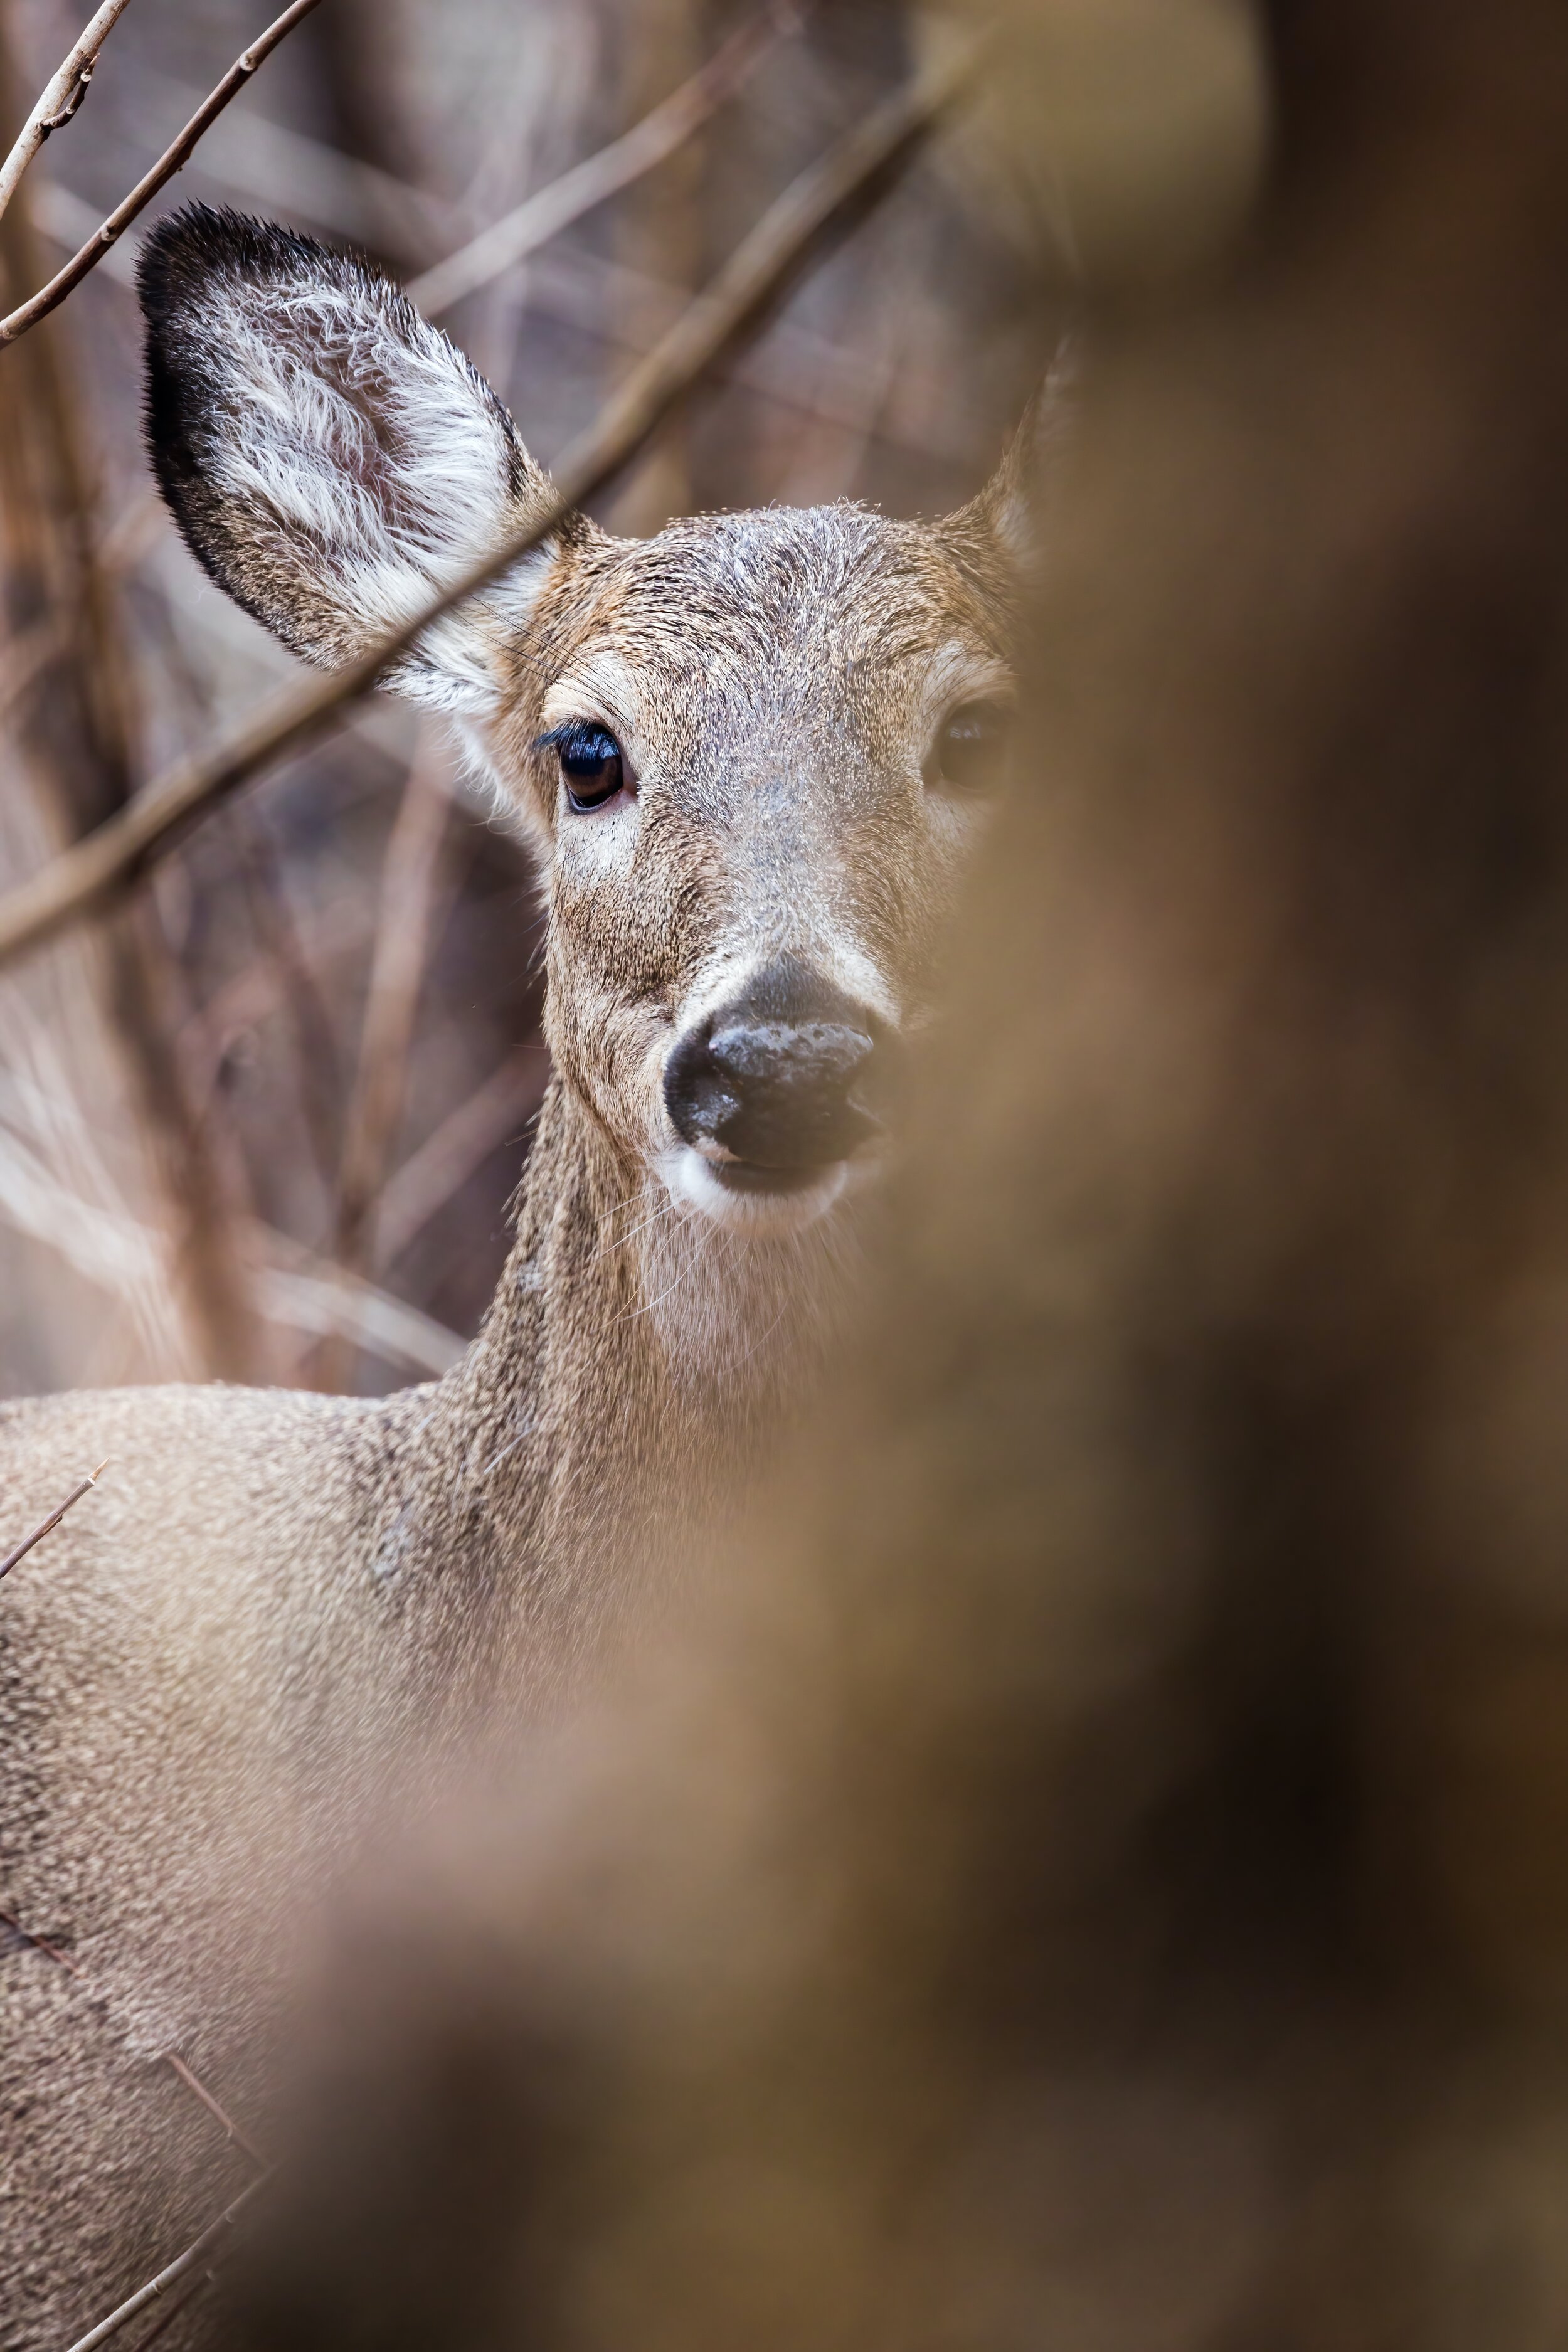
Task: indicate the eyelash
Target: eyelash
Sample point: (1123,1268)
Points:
(596,750)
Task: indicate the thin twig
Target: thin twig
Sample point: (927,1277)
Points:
(172,2311)
(61,99)
(41,1944)
(664,129)
(170,2058)
(214,2107)
(181,2267)
(823,198)
(52,1522)
(48,298)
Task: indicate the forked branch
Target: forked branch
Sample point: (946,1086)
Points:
(61,98)
(825,199)
(48,298)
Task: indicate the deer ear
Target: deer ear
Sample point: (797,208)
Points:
(1010,508)
(331,459)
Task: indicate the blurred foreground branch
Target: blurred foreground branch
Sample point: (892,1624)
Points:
(825,198)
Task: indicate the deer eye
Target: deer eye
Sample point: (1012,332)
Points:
(593,765)
(971,746)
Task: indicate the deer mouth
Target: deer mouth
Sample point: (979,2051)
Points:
(753,1176)
(751,1195)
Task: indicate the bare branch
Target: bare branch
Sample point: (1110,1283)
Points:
(823,198)
(48,1527)
(181,2267)
(173,159)
(61,99)
(647,143)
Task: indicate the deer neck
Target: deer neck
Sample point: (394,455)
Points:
(631,1361)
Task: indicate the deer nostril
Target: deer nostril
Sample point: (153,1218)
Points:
(775,1092)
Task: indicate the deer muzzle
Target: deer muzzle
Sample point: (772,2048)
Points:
(780,1082)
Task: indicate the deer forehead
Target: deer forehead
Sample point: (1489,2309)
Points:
(832,618)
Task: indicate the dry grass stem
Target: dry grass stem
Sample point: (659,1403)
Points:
(826,197)
(61,98)
(664,129)
(48,1527)
(174,158)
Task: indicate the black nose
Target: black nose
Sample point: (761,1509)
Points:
(782,1077)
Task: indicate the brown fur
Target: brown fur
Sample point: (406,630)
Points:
(276,1605)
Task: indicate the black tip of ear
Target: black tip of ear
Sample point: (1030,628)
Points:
(242,318)
(187,258)
(180,261)
(182,252)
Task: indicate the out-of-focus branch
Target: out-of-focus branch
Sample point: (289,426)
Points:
(48,298)
(61,99)
(293,1288)
(665,129)
(463,1142)
(397,977)
(295,985)
(280,967)
(267,164)
(825,198)
(78,729)
(305,1293)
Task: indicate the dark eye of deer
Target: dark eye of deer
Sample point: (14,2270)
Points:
(970,750)
(593,766)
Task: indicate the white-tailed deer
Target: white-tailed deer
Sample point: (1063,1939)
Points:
(748,753)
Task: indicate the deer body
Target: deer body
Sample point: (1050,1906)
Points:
(746,752)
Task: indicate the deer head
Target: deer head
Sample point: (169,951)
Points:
(749,752)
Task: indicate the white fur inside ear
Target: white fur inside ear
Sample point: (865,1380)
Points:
(355,464)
